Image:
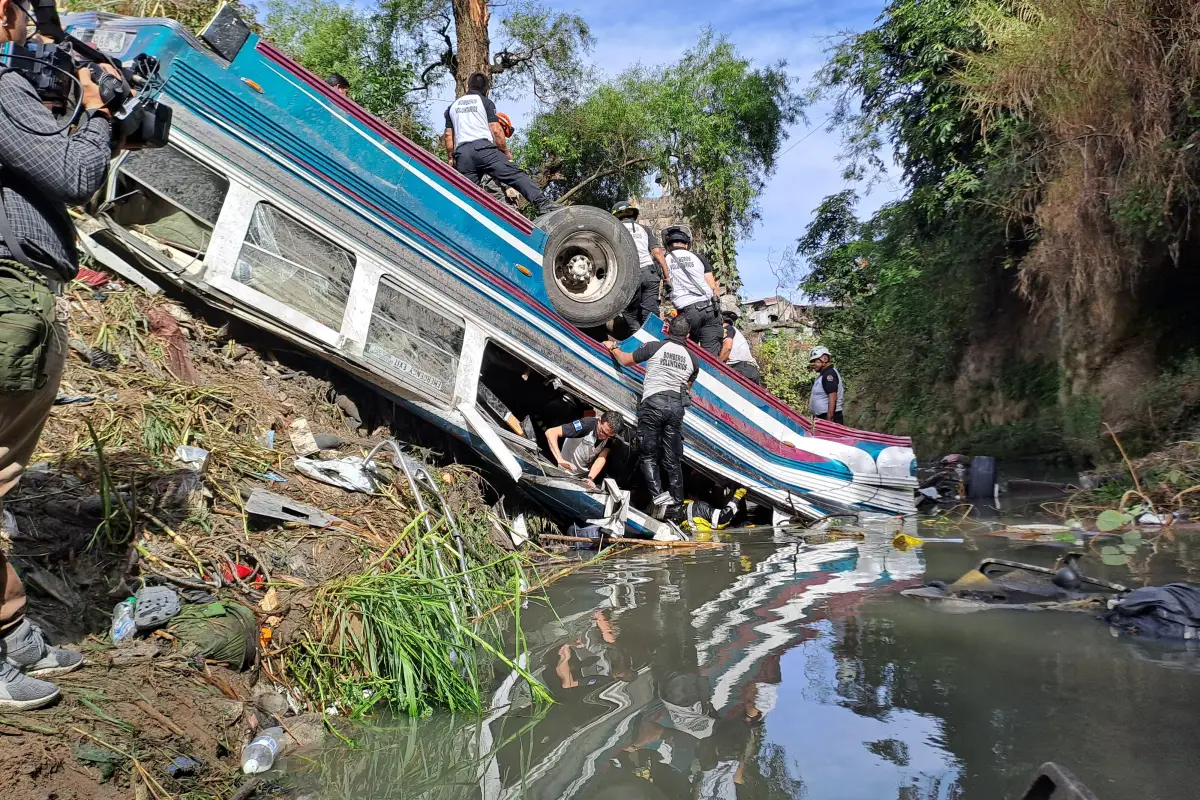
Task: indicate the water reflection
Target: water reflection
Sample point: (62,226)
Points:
(780,669)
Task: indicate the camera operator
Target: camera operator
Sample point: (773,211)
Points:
(43,168)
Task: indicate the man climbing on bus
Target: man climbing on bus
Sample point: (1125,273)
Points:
(694,291)
(476,144)
(650,260)
(666,388)
(735,351)
(584,449)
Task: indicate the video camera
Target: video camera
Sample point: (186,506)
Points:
(138,120)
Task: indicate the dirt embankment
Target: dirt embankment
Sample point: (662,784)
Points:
(110,506)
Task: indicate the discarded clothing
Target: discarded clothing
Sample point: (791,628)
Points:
(1164,612)
(225,632)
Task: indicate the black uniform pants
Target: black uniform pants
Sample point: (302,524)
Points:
(481,157)
(660,429)
(643,304)
(748,370)
(705,323)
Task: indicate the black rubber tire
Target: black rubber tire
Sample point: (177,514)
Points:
(598,235)
(982,482)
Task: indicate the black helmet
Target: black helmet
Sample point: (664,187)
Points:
(676,234)
(730,315)
(625,209)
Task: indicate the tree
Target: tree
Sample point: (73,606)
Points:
(538,48)
(710,126)
(326,37)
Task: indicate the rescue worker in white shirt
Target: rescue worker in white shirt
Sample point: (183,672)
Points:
(585,450)
(650,259)
(476,144)
(735,351)
(694,291)
(828,392)
(670,372)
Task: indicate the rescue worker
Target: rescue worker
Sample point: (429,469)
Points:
(670,372)
(504,195)
(339,82)
(476,144)
(694,291)
(698,516)
(828,393)
(650,259)
(585,450)
(735,351)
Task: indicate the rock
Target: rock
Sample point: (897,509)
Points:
(268,699)
(305,731)
(270,601)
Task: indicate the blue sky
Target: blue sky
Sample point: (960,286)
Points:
(764,31)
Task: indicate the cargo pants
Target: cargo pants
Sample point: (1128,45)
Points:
(33,348)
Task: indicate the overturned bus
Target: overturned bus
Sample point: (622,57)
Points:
(285,203)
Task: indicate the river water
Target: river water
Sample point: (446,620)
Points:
(780,668)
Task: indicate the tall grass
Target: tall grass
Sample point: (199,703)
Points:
(401,634)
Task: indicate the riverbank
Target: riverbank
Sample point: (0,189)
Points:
(172,461)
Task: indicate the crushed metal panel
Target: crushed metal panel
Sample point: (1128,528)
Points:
(262,503)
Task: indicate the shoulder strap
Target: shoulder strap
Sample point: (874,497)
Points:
(10,237)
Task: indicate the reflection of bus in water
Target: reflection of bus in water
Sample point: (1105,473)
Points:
(642,685)
(283,202)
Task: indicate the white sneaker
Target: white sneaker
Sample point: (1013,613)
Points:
(19,692)
(26,649)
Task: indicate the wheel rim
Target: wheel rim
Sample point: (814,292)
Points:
(585,267)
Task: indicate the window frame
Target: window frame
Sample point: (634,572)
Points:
(393,281)
(121,170)
(232,232)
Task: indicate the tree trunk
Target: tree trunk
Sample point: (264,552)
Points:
(474,44)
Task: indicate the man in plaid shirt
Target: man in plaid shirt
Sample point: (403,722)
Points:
(42,171)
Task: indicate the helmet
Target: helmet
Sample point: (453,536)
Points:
(817,352)
(675,234)
(729,316)
(625,209)
(506,124)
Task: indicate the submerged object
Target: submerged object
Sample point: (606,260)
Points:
(1167,612)
(999,583)
(1055,782)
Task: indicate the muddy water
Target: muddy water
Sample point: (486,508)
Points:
(775,668)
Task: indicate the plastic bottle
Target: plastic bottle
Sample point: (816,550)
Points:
(122,620)
(260,754)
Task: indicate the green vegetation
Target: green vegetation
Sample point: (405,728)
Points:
(784,361)
(399,634)
(1027,286)
(708,128)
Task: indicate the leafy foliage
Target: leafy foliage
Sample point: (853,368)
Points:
(327,37)
(538,49)
(1048,150)
(784,361)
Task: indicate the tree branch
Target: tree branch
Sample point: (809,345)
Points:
(603,173)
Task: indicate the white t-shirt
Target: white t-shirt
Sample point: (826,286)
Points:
(688,286)
(644,241)
(669,367)
(468,117)
(741,347)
